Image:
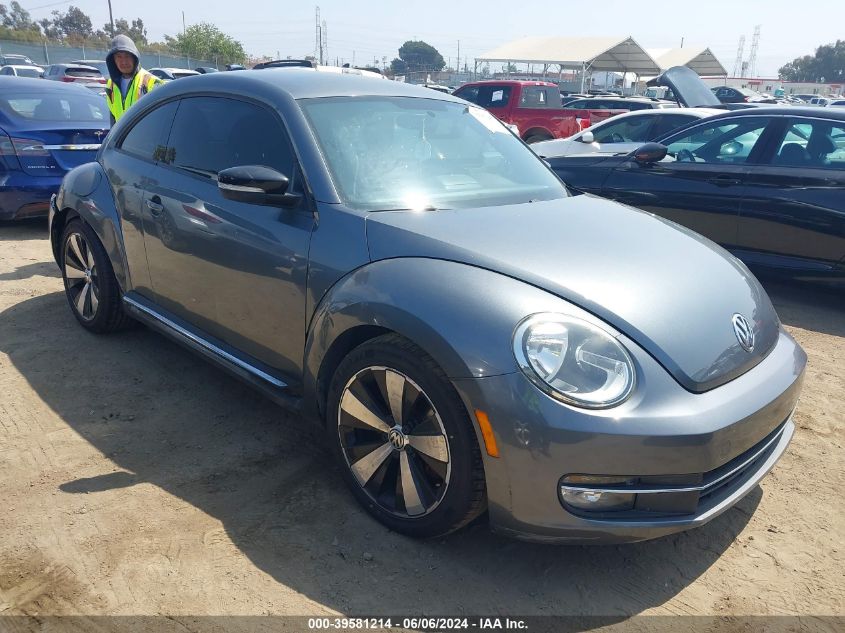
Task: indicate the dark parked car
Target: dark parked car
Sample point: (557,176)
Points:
(768,184)
(46,129)
(205,70)
(395,264)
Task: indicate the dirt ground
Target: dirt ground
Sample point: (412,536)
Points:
(136,478)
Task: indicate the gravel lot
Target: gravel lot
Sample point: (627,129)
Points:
(138,479)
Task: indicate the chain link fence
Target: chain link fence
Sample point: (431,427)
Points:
(51,53)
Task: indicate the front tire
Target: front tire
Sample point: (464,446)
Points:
(403,439)
(90,285)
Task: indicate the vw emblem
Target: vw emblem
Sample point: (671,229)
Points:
(743,331)
(397,438)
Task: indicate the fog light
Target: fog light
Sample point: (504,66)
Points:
(597,493)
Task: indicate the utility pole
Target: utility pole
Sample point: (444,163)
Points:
(111,19)
(318,38)
(755,43)
(324,43)
(458,66)
(183,23)
(740,49)
(682,42)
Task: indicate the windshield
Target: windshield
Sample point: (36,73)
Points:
(55,106)
(412,153)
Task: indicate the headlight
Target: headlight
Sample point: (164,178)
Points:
(574,361)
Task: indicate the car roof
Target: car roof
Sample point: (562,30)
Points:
(302,83)
(38,85)
(75,65)
(697,112)
(509,82)
(816,113)
(22,66)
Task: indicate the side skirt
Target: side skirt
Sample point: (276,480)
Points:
(262,379)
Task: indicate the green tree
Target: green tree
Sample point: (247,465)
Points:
(74,25)
(206,41)
(136,32)
(16,17)
(417,56)
(828,64)
(398,66)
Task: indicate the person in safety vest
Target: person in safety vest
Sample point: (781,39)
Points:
(127,81)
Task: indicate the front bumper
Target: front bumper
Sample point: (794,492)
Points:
(661,436)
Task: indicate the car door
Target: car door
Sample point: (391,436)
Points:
(793,214)
(130,168)
(234,271)
(701,182)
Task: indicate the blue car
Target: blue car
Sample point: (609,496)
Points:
(46,129)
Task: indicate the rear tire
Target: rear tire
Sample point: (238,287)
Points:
(91,289)
(403,439)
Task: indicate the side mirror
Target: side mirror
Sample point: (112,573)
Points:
(649,153)
(256,184)
(587,137)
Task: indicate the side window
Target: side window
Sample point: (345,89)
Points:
(719,142)
(630,130)
(668,122)
(810,143)
(533,97)
(147,138)
(5,71)
(583,104)
(470,94)
(210,134)
(494,96)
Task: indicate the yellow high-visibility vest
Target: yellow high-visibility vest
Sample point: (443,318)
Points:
(141,84)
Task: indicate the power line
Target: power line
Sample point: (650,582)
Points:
(47,6)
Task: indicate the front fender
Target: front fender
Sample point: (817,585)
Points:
(463,316)
(85,192)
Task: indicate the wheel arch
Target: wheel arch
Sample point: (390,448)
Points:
(85,194)
(460,315)
(537,131)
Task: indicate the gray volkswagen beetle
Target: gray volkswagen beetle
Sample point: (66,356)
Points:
(395,264)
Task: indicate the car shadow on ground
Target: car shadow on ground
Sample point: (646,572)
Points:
(17,230)
(816,308)
(168,418)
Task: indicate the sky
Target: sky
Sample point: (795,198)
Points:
(374,30)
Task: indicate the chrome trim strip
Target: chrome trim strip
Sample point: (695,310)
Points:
(205,344)
(704,488)
(88,147)
(230,187)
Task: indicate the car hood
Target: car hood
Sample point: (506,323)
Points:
(672,291)
(687,87)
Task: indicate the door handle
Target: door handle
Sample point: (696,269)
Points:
(724,181)
(155,206)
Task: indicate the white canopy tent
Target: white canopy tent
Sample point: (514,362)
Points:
(603,54)
(702,61)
